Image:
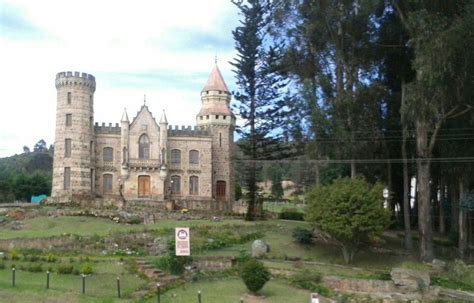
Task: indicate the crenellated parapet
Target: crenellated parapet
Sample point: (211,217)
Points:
(75,78)
(187,131)
(107,129)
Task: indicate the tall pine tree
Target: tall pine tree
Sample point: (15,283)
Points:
(260,102)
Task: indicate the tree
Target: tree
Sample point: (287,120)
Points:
(442,89)
(26,149)
(40,147)
(350,210)
(259,99)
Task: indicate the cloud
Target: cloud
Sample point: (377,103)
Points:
(164,49)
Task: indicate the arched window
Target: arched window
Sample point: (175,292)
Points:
(175,156)
(108,154)
(144,147)
(175,184)
(107,183)
(193,157)
(193,185)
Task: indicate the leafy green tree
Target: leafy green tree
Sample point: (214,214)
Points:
(350,210)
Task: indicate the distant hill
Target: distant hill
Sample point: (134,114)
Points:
(24,175)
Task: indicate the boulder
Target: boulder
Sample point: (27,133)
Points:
(410,280)
(259,249)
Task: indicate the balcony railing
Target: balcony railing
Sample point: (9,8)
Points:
(144,163)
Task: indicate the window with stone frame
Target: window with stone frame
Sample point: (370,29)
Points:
(67,148)
(194,185)
(69,97)
(175,156)
(144,147)
(67,177)
(68,119)
(108,154)
(175,184)
(193,157)
(107,180)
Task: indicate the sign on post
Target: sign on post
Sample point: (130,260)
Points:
(182,246)
(314,297)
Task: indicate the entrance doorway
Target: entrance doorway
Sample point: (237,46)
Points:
(220,190)
(143,186)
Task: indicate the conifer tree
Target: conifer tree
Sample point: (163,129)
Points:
(260,102)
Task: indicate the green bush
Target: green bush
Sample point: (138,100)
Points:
(302,235)
(51,258)
(2,265)
(254,274)
(291,214)
(35,268)
(350,210)
(14,255)
(65,269)
(86,269)
(309,280)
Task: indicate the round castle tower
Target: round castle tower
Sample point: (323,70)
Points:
(216,116)
(73,166)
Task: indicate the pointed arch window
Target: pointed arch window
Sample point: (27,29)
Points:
(144,147)
(107,185)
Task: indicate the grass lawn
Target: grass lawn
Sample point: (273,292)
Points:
(43,227)
(31,287)
(231,290)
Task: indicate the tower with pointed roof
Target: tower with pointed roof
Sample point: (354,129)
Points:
(217,117)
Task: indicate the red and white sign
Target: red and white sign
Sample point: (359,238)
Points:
(182,246)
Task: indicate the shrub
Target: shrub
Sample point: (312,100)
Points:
(254,274)
(302,235)
(86,269)
(15,256)
(51,258)
(35,268)
(2,265)
(291,214)
(310,280)
(65,269)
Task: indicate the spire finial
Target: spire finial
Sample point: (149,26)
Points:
(144,99)
(215,58)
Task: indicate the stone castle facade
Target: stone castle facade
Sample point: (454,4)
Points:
(142,161)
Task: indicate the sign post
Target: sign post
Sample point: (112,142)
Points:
(314,297)
(182,243)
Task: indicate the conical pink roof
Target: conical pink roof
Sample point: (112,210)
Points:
(215,81)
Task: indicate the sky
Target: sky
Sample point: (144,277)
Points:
(162,49)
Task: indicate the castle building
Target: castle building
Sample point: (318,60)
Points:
(142,161)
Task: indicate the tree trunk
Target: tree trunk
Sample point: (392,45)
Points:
(423,179)
(454,197)
(462,222)
(406,182)
(442,198)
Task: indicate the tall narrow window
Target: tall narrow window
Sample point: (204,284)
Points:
(144,147)
(68,119)
(193,185)
(67,177)
(67,148)
(91,149)
(107,183)
(220,139)
(69,97)
(108,154)
(175,156)
(175,184)
(193,157)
